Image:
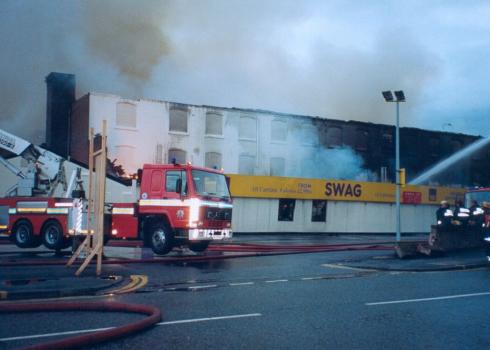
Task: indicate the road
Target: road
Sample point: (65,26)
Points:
(310,301)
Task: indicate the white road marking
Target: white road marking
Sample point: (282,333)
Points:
(55,334)
(208,319)
(428,299)
(311,278)
(242,284)
(335,266)
(276,281)
(203,287)
(34,336)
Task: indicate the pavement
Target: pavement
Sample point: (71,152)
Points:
(55,281)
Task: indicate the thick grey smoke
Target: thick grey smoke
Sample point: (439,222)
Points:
(309,158)
(249,54)
(127,35)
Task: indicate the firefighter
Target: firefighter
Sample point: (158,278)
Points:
(476,215)
(461,214)
(444,214)
(486,211)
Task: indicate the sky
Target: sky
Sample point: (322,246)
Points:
(313,57)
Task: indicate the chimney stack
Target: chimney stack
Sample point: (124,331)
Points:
(60,98)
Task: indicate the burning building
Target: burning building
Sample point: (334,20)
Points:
(250,141)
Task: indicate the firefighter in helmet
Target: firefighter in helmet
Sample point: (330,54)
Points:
(461,214)
(444,214)
(477,218)
(486,213)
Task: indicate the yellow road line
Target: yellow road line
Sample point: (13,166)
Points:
(137,282)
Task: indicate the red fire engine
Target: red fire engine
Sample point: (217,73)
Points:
(176,205)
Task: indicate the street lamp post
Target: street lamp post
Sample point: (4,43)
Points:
(399,97)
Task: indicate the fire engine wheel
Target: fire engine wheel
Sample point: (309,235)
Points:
(53,236)
(199,247)
(24,235)
(161,239)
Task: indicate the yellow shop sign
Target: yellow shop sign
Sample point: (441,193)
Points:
(299,188)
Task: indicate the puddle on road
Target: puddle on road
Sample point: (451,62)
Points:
(23,282)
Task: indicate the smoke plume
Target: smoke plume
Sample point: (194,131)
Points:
(279,56)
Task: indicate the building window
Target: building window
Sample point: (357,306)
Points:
(286,210)
(126,157)
(279,131)
(456,145)
(213,160)
(319,211)
(434,146)
(248,128)
(214,124)
(277,166)
(126,114)
(387,139)
(334,137)
(309,135)
(178,119)
(176,154)
(362,137)
(246,165)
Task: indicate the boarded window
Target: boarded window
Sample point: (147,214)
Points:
(278,166)
(127,158)
(178,119)
(246,165)
(334,137)
(319,211)
(279,130)
(213,160)
(178,155)
(126,114)
(248,128)
(214,123)
(286,210)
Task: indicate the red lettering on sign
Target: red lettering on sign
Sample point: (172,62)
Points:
(412,197)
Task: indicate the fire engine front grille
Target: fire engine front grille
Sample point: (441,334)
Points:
(218,214)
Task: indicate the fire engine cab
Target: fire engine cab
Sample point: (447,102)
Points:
(177,204)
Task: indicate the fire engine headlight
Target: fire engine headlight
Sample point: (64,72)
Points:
(114,232)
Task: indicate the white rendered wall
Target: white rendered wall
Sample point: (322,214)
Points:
(260,215)
(152,128)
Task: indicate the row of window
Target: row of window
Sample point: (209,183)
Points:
(286,210)
(178,122)
(211,159)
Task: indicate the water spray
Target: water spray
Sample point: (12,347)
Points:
(446,163)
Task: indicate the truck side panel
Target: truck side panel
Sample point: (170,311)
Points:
(124,221)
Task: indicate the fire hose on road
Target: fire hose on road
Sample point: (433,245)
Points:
(218,252)
(153,316)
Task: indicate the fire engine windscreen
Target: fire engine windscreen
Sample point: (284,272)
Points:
(209,184)
(478,196)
